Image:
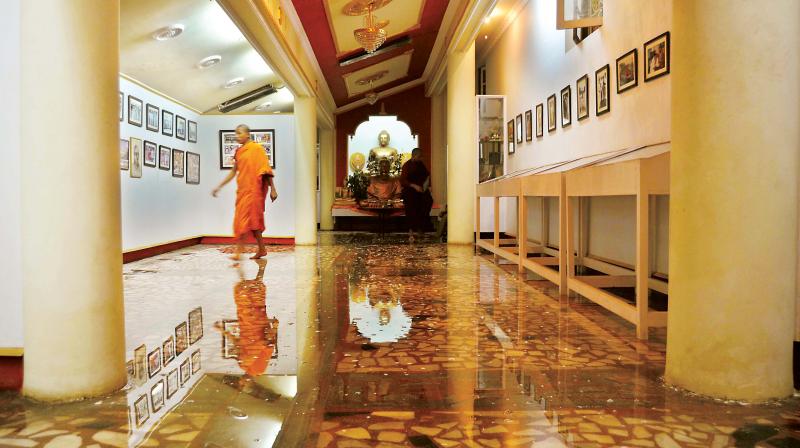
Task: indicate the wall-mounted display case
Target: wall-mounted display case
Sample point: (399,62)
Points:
(491,136)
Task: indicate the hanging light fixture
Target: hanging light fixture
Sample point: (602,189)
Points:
(372,36)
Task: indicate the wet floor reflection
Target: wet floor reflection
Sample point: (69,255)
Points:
(367,341)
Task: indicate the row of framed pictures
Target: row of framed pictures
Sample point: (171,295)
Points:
(170,124)
(135,153)
(657,64)
(146,365)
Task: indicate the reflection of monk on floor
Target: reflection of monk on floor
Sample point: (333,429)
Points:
(258,333)
(254,178)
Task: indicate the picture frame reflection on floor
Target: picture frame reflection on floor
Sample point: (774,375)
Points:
(656,57)
(195,325)
(154,362)
(186,371)
(196,361)
(230,332)
(181,338)
(157,395)
(141,410)
(167,351)
(172,383)
(602,90)
(140,364)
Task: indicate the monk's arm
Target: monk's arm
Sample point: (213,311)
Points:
(273,193)
(227,179)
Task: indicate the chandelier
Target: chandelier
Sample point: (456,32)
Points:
(372,36)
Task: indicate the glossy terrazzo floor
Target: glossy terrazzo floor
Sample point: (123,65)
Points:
(369,341)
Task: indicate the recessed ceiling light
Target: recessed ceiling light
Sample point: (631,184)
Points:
(209,61)
(234,82)
(264,106)
(168,32)
(277,112)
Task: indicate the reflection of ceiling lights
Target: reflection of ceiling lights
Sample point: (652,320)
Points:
(372,98)
(209,61)
(369,79)
(372,36)
(168,32)
(234,82)
(264,106)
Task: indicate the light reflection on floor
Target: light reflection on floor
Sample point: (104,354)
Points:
(369,341)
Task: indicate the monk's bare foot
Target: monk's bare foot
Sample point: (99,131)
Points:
(259,255)
(235,257)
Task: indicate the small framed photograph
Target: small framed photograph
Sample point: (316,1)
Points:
(230,332)
(582,89)
(164,158)
(627,71)
(518,128)
(192,168)
(150,154)
(551,113)
(192,132)
(121,106)
(196,361)
(140,364)
(510,134)
(539,120)
(186,371)
(141,410)
(177,163)
(195,325)
(228,146)
(152,118)
(124,155)
(602,89)
(135,107)
(167,121)
(180,127)
(172,383)
(656,57)
(181,338)
(154,362)
(157,395)
(137,157)
(528,125)
(168,351)
(566,106)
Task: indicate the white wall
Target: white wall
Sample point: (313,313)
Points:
(157,207)
(533,60)
(218,211)
(10,206)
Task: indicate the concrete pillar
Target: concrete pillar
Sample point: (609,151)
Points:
(305,172)
(326,177)
(439,148)
(733,206)
(461,146)
(73,314)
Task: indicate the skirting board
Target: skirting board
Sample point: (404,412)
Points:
(10,372)
(152,251)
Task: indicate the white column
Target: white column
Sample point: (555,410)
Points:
(305,175)
(439,147)
(326,177)
(733,205)
(71,239)
(461,146)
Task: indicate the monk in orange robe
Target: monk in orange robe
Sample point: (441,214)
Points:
(254,179)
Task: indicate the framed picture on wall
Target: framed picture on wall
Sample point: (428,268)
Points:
(528,125)
(510,136)
(551,113)
(582,88)
(228,146)
(134,111)
(656,57)
(627,71)
(152,118)
(164,158)
(121,105)
(167,122)
(518,128)
(136,157)
(177,163)
(150,154)
(539,120)
(124,155)
(180,127)
(192,132)
(566,106)
(192,168)
(602,90)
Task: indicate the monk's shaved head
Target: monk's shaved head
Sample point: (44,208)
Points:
(242,134)
(243,127)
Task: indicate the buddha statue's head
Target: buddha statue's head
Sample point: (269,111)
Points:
(383,139)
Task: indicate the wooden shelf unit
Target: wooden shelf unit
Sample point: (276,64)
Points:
(509,188)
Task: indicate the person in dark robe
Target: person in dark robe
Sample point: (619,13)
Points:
(415,179)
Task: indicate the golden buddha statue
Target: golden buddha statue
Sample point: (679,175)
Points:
(383,151)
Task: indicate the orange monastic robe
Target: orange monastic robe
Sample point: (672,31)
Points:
(252,166)
(256,343)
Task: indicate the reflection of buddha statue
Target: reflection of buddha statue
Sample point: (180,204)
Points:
(383,151)
(384,187)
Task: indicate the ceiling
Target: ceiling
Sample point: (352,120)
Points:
(414,24)
(170,66)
